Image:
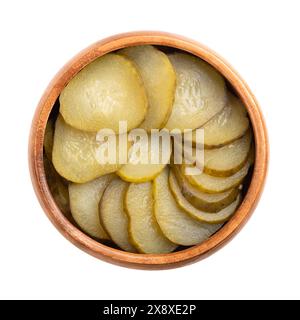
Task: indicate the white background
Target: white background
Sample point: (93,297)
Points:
(260,39)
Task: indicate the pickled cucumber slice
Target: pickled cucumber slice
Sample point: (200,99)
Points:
(142,172)
(174,222)
(58,187)
(75,154)
(218,217)
(84,202)
(143,228)
(209,202)
(211,184)
(227,126)
(105,92)
(200,92)
(48,138)
(113,216)
(159,79)
(226,160)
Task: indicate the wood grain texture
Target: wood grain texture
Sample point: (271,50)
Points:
(101,251)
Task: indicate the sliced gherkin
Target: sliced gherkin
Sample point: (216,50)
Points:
(84,202)
(106,91)
(159,78)
(175,223)
(113,216)
(200,92)
(143,229)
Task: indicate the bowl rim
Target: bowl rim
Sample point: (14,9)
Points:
(106,253)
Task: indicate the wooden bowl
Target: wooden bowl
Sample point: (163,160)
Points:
(99,250)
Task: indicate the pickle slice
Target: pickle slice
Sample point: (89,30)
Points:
(209,202)
(211,184)
(74,154)
(200,92)
(58,187)
(227,126)
(48,138)
(106,91)
(226,160)
(113,216)
(84,202)
(174,222)
(159,79)
(143,228)
(217,217)
(142,172)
